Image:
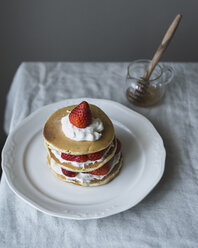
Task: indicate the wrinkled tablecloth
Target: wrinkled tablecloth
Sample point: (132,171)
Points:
(167,217)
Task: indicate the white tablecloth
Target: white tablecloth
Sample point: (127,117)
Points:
(167,217)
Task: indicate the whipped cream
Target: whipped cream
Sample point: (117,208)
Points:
(90,133)
(57,154)
(84,177)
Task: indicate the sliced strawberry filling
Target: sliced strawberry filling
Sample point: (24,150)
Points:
(102,170)
(83,158)
(77,158)
(69,173)
(96,155)
(92,156)
(98,172)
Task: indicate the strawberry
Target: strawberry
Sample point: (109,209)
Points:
(101,171)
(80,158)
(81,116)
(96,155)
(69,173)
(118,146)
(77,158)
(68,157)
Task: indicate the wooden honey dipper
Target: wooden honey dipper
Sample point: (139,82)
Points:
(143,82)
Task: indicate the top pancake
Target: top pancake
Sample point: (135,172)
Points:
(54,136)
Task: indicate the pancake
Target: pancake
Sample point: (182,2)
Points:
(54,136)
(94,182)
(89,167)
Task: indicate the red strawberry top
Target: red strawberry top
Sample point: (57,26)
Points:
(81,116)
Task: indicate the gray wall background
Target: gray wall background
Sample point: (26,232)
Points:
(90,30)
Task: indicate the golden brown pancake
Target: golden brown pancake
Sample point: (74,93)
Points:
(90,167)
(95,182)
(54,136)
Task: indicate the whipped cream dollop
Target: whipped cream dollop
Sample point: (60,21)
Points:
(90,133)
(84,177)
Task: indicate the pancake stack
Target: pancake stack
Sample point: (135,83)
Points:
(81,145)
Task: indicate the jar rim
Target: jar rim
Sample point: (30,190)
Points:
(139,61)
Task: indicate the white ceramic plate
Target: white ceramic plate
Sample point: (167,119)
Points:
(27,173)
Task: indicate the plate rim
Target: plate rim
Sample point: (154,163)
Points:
(52,213)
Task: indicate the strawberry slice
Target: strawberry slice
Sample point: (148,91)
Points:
(81,158)
(81,116)
(118,146)
(68,157)
(69,173)
(96,155)
(101,171)
(77,158)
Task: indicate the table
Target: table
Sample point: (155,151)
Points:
(167,217)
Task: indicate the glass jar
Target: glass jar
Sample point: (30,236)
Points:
(157,84)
